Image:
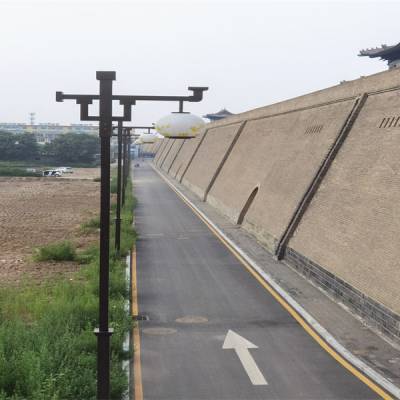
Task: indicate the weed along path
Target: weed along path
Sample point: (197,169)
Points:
(48,349)
(209,329)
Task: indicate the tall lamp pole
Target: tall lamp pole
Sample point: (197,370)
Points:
(105,118)
(122,132)
(118,210)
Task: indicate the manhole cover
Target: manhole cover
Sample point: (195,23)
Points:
(159,331)
(192,319)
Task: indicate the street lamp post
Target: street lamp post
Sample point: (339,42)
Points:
(122,174)
(125,167)
(118,210)
(105,118)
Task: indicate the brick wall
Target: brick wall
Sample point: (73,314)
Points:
(352,226)
(208,158)
(347,240)
(181,162)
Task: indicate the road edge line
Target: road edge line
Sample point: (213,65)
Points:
(333,344)
(137,367)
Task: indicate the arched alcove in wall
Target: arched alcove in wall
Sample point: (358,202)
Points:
(247,206)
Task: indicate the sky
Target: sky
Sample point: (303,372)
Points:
(249,53)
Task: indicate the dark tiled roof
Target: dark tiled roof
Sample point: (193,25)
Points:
(384,51)
(220,114)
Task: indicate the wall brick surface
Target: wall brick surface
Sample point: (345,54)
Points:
(350,89)
(208,158)
(156,146)
(160,150)
(171,155)
(184,156)
(348,239)
(165,152)
(352,226)
(280,155)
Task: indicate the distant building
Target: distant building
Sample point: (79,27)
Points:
(389,53)
(219,115)
(47,132)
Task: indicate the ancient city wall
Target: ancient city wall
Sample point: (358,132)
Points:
(350,89)
(214,147)
(183,159)
(160,151)
(352,226)
(170,158)
(278,157)
(155,146)
(165,151)
(315,179)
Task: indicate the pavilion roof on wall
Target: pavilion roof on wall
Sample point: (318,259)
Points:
(385,52)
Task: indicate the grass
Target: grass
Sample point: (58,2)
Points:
(46,164)
(113,186)
(16,171)
(90,226)
(47,346)
(63,251)
(18,168)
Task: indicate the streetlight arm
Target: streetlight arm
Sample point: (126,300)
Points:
(197,92)
(195,97)
(128,101)
(136,127)
(80,98)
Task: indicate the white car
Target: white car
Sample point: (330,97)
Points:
(65,170)
(52,172)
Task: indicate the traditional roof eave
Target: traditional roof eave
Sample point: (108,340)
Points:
(383,52)
(220,114)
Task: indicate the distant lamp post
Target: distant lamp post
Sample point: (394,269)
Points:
(138,141)
(147,138)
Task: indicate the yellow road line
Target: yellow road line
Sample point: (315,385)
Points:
(137,367)
(373,386)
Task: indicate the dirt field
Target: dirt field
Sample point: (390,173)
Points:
(37,211)
(83,173)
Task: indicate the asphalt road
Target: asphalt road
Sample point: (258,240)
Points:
(194,291)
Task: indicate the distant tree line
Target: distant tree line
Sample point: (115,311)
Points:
(66,148)
(18,147)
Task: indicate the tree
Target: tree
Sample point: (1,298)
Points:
(18,146)
(7,144)
(74,148)
(26,147)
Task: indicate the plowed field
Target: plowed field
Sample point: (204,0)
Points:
(38,211)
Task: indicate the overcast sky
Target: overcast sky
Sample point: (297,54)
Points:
(249,53)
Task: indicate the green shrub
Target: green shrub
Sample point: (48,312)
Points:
(47,346)
(63,251)
(113,185)
(92,225)
(15,171)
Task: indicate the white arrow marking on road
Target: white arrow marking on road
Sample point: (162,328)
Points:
(241,346)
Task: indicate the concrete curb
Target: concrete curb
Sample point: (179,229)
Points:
(355,361)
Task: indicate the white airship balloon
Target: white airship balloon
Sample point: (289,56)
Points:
(179,125)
